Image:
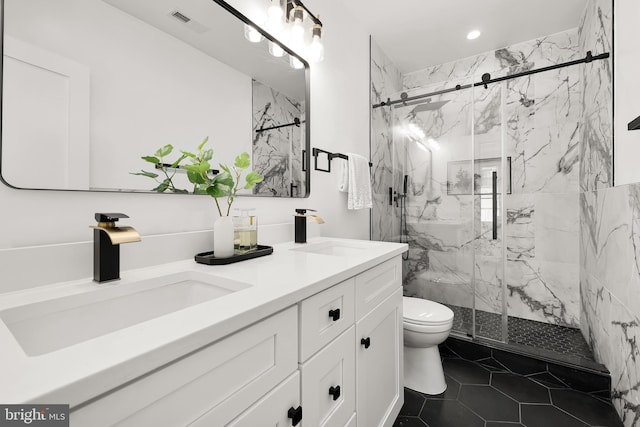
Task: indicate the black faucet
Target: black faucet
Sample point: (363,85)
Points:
(300,223)
(106,245)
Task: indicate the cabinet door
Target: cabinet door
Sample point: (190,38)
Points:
(329,383)
(273,409)
(379,363)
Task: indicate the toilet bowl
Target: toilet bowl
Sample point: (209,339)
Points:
(425,324)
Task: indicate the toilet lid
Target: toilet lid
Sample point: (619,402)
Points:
(425,312)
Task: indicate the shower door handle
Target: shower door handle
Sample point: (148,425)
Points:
(494,200)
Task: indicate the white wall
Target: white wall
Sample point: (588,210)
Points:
(627,90)
(339,121)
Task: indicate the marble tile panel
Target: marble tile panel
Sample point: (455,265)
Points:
(543,291)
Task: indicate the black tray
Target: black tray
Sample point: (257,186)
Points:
(209,259)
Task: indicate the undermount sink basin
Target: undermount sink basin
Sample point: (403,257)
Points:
(50,325)
(333,248)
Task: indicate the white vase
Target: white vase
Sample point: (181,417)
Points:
(223,237)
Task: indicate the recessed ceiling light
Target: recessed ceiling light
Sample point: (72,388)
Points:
(473,35)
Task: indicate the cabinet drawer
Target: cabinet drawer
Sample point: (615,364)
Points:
(317,326)
(374,285)
(270,411)
(331,368)
(229,375)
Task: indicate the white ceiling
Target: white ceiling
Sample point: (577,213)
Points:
(416,34)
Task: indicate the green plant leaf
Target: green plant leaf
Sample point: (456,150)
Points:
(188,154)
(164,151)
(224,179)
(181,191)
(242,161)
(145,173)
(177,162)
(207,154)
(162,187)
(203,143)
(252,179)
(216,191)
(225,168)
(151,159)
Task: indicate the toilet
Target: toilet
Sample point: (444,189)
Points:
(425,324)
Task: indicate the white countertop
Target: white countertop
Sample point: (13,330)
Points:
(82,371)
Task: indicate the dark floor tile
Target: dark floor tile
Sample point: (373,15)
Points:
(580,380)
(448,413)
(548,380)
(519,364)
(547,416)
(468,350)
(452,391)
(465,372)
(489,403)
(403,421)
(492,365)
(445,350)
(585,407)
(499,424)
(413,403)
(520,388)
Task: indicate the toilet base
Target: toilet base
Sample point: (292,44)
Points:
(423,370)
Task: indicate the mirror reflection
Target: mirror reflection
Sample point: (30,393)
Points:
(91,86)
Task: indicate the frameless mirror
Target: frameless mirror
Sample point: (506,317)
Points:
(91,86)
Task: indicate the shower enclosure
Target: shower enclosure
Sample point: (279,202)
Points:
(483,183)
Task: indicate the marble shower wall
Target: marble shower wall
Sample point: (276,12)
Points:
(596,133)
(386,82)
(610,289)
(277,153)
(609,229)
(539,117)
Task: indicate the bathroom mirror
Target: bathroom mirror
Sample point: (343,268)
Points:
(91,86)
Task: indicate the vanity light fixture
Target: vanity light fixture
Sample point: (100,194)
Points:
(252,34)
(473,35)
(286,22)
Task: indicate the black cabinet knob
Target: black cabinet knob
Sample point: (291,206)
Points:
(295,414)
(366,342)
(335,392)
(334,314)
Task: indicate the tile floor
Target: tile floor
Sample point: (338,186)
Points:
(555,338)
(485,393)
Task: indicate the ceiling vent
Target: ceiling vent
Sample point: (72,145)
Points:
(194,26)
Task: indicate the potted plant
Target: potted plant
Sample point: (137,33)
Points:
(225,184)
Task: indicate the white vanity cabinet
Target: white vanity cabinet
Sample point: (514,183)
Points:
(365,360)
(333,359)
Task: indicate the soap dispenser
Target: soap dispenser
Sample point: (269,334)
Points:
(300,223)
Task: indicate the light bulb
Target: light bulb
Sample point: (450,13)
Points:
(276,50)
(274,21)
(316,49)
(296,36)
(252,34)
(295,63)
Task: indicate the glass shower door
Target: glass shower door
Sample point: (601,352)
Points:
(432,197)
(491,171)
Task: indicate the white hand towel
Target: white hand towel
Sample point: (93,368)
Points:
(343,176)
(359,183)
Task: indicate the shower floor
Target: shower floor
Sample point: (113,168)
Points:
(566,343)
